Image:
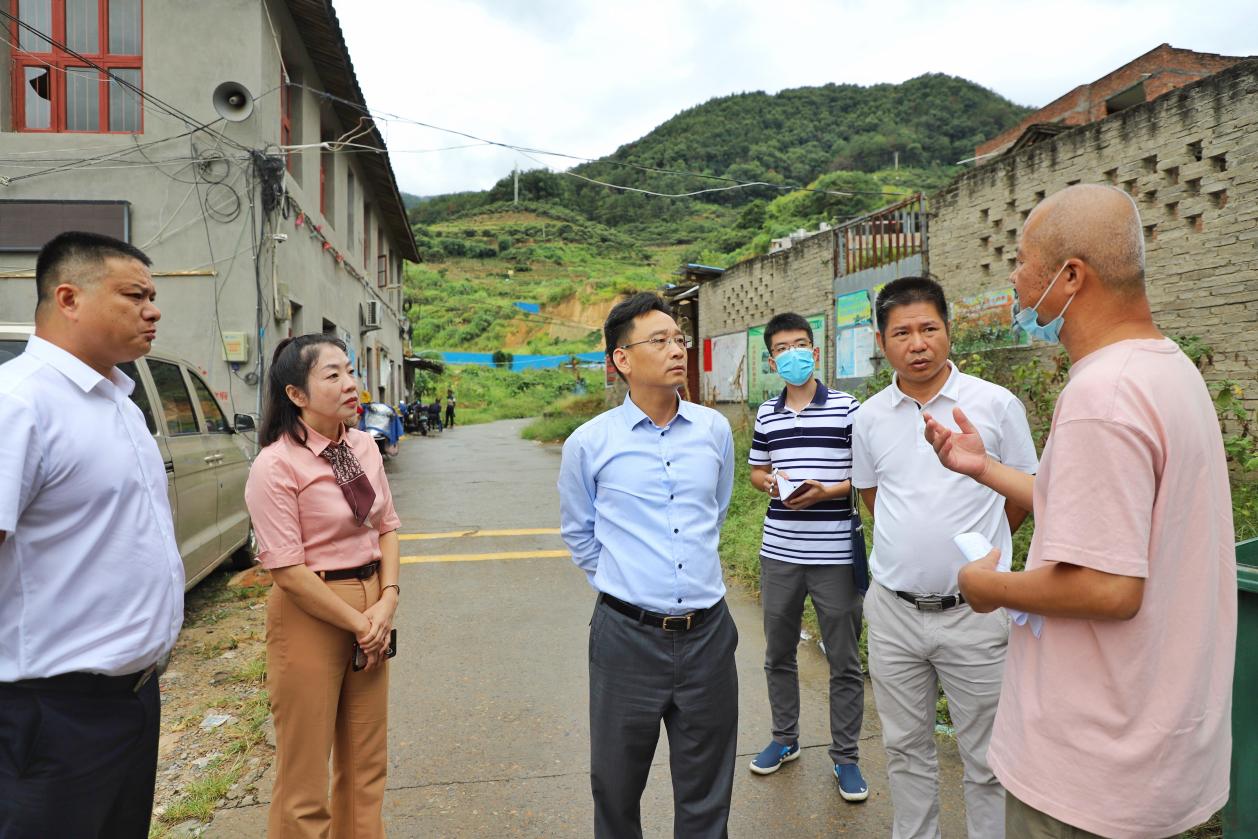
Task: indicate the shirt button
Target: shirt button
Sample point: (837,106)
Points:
(679,565)
(674,530)
(670,498)
(668,463)
(678,599)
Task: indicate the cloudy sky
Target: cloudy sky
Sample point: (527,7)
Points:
(585,76)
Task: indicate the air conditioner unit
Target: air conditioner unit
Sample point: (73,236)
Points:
(371,315)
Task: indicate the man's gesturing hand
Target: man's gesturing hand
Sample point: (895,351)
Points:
(961,451)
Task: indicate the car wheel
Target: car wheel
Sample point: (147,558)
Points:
(246,555)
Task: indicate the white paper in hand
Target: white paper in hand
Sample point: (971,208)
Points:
(788,488)
(975,546)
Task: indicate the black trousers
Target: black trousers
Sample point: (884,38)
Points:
(77,765)
(640,675)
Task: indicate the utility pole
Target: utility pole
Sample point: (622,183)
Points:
(515,170)
(897,160)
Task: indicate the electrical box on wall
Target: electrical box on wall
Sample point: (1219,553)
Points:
(236,346)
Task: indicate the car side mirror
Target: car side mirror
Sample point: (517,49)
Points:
(244,422)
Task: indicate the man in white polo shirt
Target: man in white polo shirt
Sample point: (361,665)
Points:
(804,436)
(921,632)
(91,583)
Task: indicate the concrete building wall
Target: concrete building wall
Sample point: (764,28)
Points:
(1190,159)
(799,279)
(1162,69)
(203,260)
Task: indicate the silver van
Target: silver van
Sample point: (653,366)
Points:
(207,461)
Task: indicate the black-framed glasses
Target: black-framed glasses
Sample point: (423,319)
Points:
(659,343)
(801,344)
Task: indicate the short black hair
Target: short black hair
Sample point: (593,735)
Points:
(87,249)
(620,319)
(785,322)
(909,290)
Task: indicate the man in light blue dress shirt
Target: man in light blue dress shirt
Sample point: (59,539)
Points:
(643,492)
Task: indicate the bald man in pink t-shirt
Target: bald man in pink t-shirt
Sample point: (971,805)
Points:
(1116,721)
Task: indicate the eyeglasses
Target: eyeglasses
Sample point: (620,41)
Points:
(659,343)
(801,344)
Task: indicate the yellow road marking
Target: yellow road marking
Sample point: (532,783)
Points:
(455,534)
(408,560)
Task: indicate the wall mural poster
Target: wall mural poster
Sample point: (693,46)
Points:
(851,309)
(726,381)
(985,321)
(763,383)
(854,347)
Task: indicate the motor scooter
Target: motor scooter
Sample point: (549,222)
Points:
(384,425)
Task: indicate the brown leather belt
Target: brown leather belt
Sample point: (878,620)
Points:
(362,572)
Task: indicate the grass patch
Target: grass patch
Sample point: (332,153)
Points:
(555,425)
(200,798)
(488,394)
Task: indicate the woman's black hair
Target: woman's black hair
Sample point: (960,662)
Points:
(290,365)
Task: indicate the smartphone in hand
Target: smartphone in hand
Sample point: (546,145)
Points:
(358,660)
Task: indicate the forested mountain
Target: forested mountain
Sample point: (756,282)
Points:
(791,137)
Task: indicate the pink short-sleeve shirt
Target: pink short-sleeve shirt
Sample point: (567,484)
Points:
(299,513)
(1123,728)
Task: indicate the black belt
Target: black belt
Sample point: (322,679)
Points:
(362,572)
(93,684)
(931,602)
(670,623)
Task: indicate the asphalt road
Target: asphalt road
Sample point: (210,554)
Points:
(488,721)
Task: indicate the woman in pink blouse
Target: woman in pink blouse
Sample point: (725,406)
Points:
(327,530)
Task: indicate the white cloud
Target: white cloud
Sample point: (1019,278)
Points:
(585,78)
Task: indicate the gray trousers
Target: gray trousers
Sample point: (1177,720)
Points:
(640,675)
(911,653)
(783,586)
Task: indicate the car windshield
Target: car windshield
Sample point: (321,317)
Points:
(10,349)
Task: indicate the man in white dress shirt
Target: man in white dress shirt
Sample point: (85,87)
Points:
(921,631)
(91,583)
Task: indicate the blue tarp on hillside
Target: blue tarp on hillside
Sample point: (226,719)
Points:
(520,362)
(532,308)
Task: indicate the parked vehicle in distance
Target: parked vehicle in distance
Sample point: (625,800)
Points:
(383,424)
(207,461)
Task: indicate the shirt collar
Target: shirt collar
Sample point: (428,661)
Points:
(950,389)
(316,442)
(633,415)
(74,369)
(818,398)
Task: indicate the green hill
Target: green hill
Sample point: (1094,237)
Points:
(574,244)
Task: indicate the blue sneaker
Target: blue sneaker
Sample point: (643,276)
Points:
(772,758)
(851,785)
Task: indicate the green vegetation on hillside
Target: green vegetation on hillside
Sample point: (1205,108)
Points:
(573,242)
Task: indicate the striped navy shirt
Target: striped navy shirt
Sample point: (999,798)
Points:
(816,443)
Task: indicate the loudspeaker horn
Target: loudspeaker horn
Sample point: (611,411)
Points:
(233,101)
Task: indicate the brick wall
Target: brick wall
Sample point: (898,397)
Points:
(1190,159)
(1163,69)
(799,279)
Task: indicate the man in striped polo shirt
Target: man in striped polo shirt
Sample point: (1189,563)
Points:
(805,436)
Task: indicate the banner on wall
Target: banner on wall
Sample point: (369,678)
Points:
(724,376)
(851,309)
(854,349)
(985,321)
(763,383)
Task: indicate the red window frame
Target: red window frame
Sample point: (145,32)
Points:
(58,61)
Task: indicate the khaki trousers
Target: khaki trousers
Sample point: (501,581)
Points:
(911,653)
(321,708)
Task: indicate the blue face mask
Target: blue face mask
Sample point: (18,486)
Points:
(1028,320)
(795,365)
